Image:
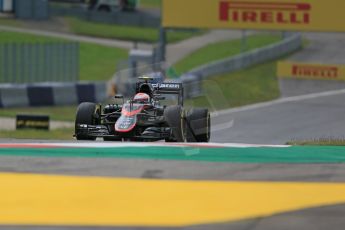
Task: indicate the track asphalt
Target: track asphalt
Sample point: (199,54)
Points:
(261,184)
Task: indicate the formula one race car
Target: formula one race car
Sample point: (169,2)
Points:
(144,117)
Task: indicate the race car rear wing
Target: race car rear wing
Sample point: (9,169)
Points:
(170,88)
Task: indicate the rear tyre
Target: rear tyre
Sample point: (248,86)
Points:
(85,115)
(174,116)
(198,125)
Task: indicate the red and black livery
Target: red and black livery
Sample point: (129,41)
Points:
(143,117)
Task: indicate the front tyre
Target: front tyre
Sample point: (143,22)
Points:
(174,116)
(198,125)
(85,115)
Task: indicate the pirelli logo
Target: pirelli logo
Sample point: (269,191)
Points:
(281,15)
(265,12)
(315,71)
(311,71)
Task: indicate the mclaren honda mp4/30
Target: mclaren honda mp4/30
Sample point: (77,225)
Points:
(154,113)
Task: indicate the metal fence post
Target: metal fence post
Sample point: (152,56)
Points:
(44,61)
(39,63)
(6,63)
(63,60)
(21,59)
(76,55)
(67,61)
(36,61)
(57,62)
(1,63)
(48,53)
(14,64)
(244,41)
(162,44)
(30,62)
(53,55)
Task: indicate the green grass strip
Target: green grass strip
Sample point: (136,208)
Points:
(224,49)
(296,154)
(252,85)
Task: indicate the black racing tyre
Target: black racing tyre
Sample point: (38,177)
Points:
(85,115)
(174,116)
(198,125)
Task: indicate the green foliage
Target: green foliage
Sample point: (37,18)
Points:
(58,134)
(60,113)
(224,49)
(253,85)
(150,3)
(10,22)
(319,142)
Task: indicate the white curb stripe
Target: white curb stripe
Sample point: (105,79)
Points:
(135,144)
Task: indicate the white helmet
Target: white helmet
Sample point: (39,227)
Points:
(141,98)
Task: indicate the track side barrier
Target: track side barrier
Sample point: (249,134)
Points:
(50,94)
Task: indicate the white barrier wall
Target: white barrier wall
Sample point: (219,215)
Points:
(50,94)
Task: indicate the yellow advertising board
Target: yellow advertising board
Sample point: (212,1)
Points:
(300,15)
(311,71)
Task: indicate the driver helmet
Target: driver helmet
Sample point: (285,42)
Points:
(146,88)
(141,98)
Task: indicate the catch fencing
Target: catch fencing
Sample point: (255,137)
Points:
(39,62)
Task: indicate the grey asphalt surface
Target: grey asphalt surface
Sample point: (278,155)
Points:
(322,117)
(310,219)
(274,123)
(329,217)
(307,119)
(157,169)
(322,48)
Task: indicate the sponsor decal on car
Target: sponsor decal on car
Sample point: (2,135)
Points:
(171,86)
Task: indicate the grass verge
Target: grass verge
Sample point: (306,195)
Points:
(96,63)
(58,134)
(319,142)
(128,33)
(58,113)
(256,84)
(151,3)
(10,22)
(222,50)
